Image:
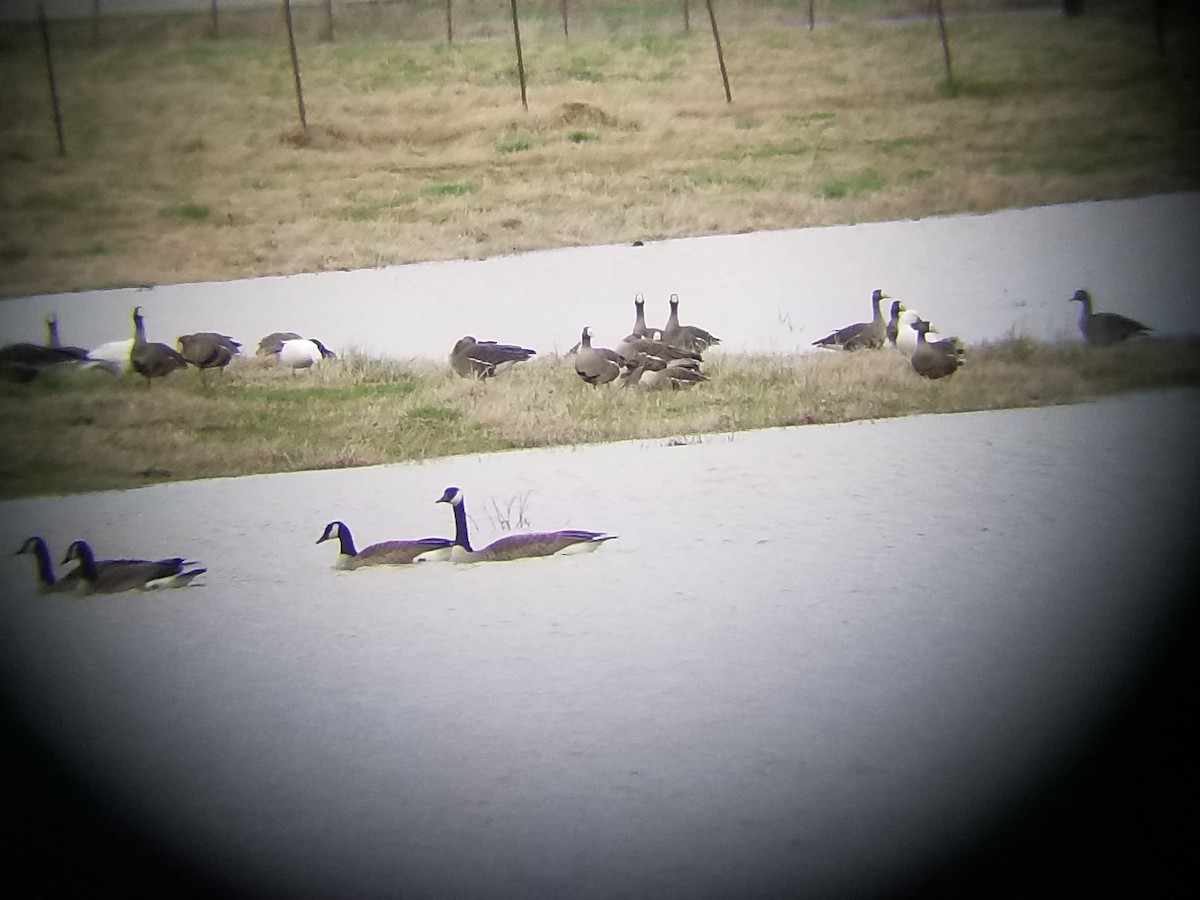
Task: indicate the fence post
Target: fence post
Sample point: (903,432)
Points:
(58,123)
(520,58)
(562,5)
(712,18)
(687,17)
(449,21)
(214,26)
(291,31)
(328,33)
(941,17)
(812,15)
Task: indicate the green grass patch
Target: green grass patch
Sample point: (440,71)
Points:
(861,182)
(187,209)
(582,137)
(455,189)
(518,145)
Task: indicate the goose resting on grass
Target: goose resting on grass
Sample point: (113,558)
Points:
(118,575)
(689,337)
(385,553)
(935,360)
(1102,329)
(208,350)
(516,546)
(596,365)
(151,359)
(273,342)
(485,359)
(860,335)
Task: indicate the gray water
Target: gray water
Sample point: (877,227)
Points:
(815,660)
(981,277)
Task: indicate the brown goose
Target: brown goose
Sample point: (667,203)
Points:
(893,325)
(596,365)
(516,546)
(385,553)
(25,361)
(273,342)
(651,373)
(935,360)
(860,335)
(116,576)
(640,330)
(151,359)
(485,359)
(208,350)
(689,337)
(1103,329)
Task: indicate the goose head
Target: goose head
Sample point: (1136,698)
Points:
(332,531)
(325,352)
(585,338)
(452,495)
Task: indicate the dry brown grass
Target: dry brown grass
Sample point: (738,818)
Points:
(89,431)
(186,162)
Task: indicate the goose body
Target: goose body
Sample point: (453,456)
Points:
(385,553)
(892,331)
(208,349)
(151,359)
(935,360)
(860,335)
(485,359)
(654,374)
(273,342)
(596,365)
(47,583)
(119,575)
(516,546)
(303,353)
(1103,329)
(689,337)
(640,329)
(112,357)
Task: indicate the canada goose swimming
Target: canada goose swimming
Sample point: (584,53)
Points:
(115,576)
(485,359)
(689,337)
(1103,329)
(515,546)
(934,360)
(893,325)
(385,553)
(860,335)
(208,349)
(596,365)
(151,359)
(47,583)
(303,353)
(273,342)
(640,330)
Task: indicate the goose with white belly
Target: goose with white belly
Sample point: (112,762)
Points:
(303,353)
(516,546)
(117,576)
(384,553)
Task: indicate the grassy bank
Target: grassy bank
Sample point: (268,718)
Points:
(89,431)
(185,161)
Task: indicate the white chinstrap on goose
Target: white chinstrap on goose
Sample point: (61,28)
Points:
(516,546)
(114,576)
(384,553)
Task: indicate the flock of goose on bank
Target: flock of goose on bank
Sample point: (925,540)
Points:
(667,358)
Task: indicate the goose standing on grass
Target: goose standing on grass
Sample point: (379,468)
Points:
(1103,329)
(640,329)
(150,359)
(893,325)
(485,359)
(689,337)
(935,360)
(208,350)
(860,335)
(516,546)
(273,342)
(596,365)
(385,553)
(303,353)
(116,576)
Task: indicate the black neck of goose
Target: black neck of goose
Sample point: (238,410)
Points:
(1086,302)
(52,338)
(139,330)
(44,568)
(346,541)
(461,536)
(87,563)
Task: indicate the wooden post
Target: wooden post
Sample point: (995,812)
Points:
(95,21)
(812,15)
(520,58)
(287,16)
(941,17)
(687,17)
(327,35)
(214,27)
(712,18)
(58,123)
(449,21)
(562,6)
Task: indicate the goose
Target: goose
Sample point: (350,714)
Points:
(935,360)
(273,342)
(654,374)
(485,359)
(25,361)
(54,341)
(893,325)
(639,318)
(47,583)
(596,365)
(151,359)
(689,337)
(516,546)
(860,335)
(115,576)
(1103,329)
(631,347)
(906,338)
(208,349)
(303,353)
(385,553)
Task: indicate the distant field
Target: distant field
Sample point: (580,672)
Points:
(185,159)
